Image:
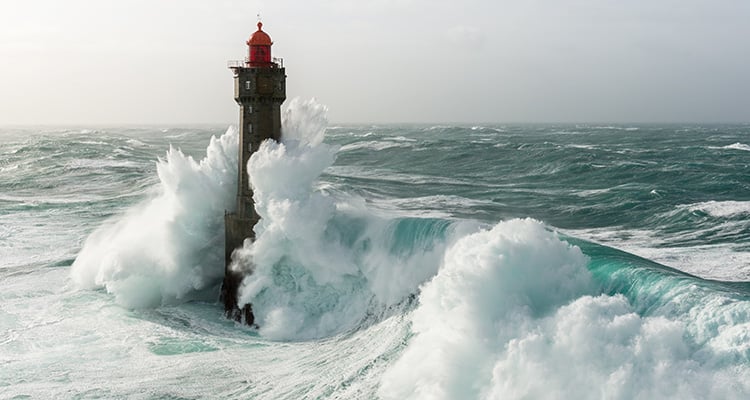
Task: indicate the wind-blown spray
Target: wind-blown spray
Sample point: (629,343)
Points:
(167,249)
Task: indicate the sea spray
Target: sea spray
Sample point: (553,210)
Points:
(167,249)
(515,313)
(322,265)
(304,121)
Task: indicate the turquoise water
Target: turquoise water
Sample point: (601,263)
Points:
(394,261)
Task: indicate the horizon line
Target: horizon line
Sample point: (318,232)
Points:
(335,123)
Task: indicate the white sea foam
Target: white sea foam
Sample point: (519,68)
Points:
(85,163)
(592,192)
(581,146)
(9,168)
(738,146)
(137,143)
(617,128)
(400,139)
(721,209)
(486,128)
(513,313)
(373,145)
(168,248)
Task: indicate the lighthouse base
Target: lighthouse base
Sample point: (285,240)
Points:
(236,230)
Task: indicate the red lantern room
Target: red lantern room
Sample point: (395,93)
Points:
(260,48)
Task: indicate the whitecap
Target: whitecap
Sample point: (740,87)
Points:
(720,209)
(372,145)
(738,146)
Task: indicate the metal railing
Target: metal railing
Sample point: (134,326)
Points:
(235,64)
(277,62)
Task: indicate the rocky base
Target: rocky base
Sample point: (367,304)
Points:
(229,288)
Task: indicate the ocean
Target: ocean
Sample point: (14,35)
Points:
(395,261)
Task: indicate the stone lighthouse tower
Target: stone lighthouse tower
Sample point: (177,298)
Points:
(259,89)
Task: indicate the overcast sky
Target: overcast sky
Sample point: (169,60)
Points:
(149,61)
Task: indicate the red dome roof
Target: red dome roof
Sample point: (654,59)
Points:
(259,37)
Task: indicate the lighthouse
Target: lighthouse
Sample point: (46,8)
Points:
(259,90)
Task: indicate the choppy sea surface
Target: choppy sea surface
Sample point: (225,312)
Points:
(424,261)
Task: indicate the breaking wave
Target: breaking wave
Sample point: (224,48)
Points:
(515,312)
